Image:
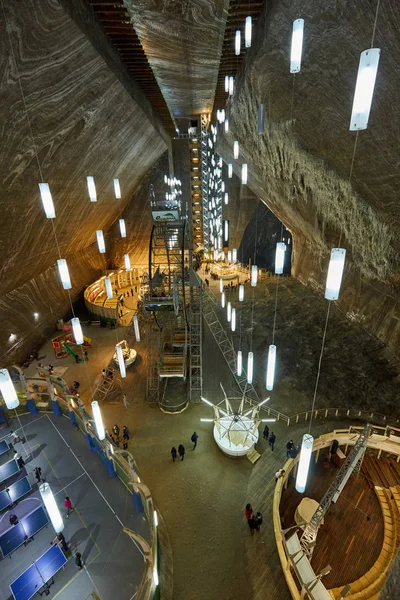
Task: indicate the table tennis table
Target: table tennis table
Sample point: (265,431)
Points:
(38,575)
(14,492)
(23,531)
(9,469)
(4,447)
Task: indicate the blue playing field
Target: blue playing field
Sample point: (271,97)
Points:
(38,574)
(8,470)
(4,447)
(14,493)
(14,537)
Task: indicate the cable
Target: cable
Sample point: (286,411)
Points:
(375,22)
(319,366)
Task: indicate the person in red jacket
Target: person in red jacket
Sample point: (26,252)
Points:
(68,506)
(248,511)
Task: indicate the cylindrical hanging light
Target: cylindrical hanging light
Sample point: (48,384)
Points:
(234,255)
(122,227)
(297,45)
(279,257)
(229,256)
(222,186)
(136,328)
(239,363)
(101,433)
(47,200)
(247,32)
(100,241)
(221,285)
(250,367)
(230,170)
(229,312)
(304,462)
(261,119)
(366,76)
(64,273)
(237,42)
(227,83)
(231,85)
(117,189)
(77,329)
(109,291)
(226,198)
(223,300)
(335,273)
(271,367)
(226,125)
(91,189)
(254,275)
(165,179)
(51,506)
(241,292)
(235,149)
(127,262)
(226,231)
(121,361)
(244,174)
(7,390)
(215,255)
(233,319)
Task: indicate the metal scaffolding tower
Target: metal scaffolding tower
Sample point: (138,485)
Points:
(351,464)
(153,350)
(196,339)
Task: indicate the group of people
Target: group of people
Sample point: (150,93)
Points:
(181,447)
(254,521)
(270,437)
(116,437)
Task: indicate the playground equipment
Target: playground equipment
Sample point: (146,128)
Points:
(62,343)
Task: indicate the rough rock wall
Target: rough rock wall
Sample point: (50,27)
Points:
(300,169)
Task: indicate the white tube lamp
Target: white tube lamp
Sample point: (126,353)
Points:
(231,85)
(101,433)
(226,83)
(122,227)
(223,300)
(230,170)
(109,291)
(234,255)
(51,506)
(233,319)
(47,200)
(222,186)
(91,186)
(77,329)
(121,360)
(271,367)
(261,119)
(7,390)
(226,198)
(335,273)
(304,462)
(247,32)
(229,256)
(226,230)
(229,312)
(239,363)
(235,149)
(244,174)
(117,189)
(250,367)
(226,126)
(64,273)
(136,328)
(241,292)
(279,257)
(237,42)
(366,76)
(297,45)
(127,262)
(221,285)
(100,241)
(254,275)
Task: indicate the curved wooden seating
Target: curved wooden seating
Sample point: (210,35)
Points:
(370,584)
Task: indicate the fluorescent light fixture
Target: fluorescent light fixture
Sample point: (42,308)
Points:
(226,230)
(127,262)
(233,319)
(335,273)
(261,119)
(51,506)
(235,149)
(297,45)
(77,329)
(215,255)
(155,518)
(226,198)
(263,402)
(237,42)
(165,179)
(109,291)
(47,200)
(304,462)
(230,170)
(121,361)
(231,85)
(279,257)
(98,421)
(229,312)
(244,174)
(136,328)
(241,292)
(247,32)
(221,285)
(7,390)
(155,576)
(206,401)
(222,186)
(64,273)
(91,189)
(226,125)
(234,255)
(122,227)
(226,83)
(229,256)
(207,420)
(254,275)
(117,188)
(268,420)
(223,300)
(366,76)
(250,367)
(271,367)
(239,363)
(100,241)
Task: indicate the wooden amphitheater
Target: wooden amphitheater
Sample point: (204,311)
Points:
(361,532)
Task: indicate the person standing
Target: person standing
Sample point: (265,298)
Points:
(248,511)
(258,519)
(289,447)
(173,453)
(132,292)
(38,474)
(85,354)
(181,451)
(125,401)
(115,429)
(194,439)
(14,437)
(266,433)
(125,436)
(252,524)
(61,541)
(279,474)
(19,459)
(271,440)
(68,506)
(78,560)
